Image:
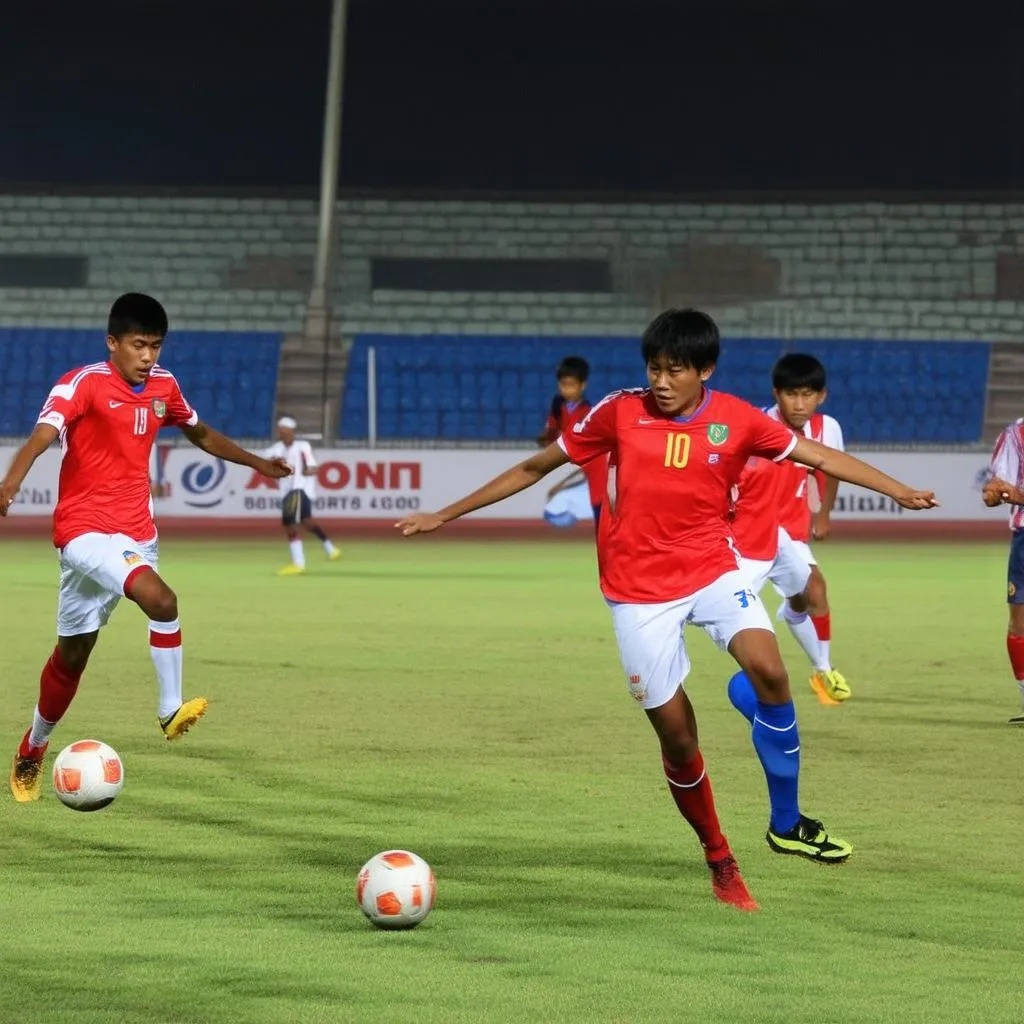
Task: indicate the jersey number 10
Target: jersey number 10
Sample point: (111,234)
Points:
(677,451)
(141,421)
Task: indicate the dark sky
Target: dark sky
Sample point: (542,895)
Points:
(563,95)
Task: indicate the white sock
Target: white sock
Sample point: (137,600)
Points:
(165,649)
(41,730)
(803,631)
(329,547)
(298,555)
(1020,686)
(826,655)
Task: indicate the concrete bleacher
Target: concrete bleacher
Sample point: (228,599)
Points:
(230,378)
(460,388)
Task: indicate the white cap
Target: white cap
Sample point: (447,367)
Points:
(287,422)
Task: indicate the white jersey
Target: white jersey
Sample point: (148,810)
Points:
(299,455)
(821,428)
(1008,464)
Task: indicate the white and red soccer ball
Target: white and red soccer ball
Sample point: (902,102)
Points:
(87,775)
(396,889)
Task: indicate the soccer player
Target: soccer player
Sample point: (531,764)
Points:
(799,386)
(297,506)
(107,416)
(666,558)
(568,407)
(1006,486)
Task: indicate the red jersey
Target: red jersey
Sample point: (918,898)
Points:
(755,516)
(107,430)
(665,535)
(562,417)
(795,507)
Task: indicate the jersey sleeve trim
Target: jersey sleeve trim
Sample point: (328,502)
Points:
(789,450)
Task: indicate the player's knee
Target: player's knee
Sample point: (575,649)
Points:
(1016,627)
(800,603)
(768,675)
(679,747)
(75,650)
(164,607)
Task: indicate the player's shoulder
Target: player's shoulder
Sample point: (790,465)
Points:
(829,422)
(91,371)
(625,401)
(161,377)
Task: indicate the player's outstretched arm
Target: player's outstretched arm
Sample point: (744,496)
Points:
(512,481)
(214,443)
(851,470)
(39,440)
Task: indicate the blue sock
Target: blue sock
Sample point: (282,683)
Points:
(742,695)
(777,743)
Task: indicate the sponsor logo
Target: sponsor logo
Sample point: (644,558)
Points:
(201,481)
(718,433)
(159,408)
(115,405)
(641,423)
(132,557)
(713,458)
(1011,590)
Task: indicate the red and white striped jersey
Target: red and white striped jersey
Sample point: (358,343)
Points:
(107,429)
(1008,464)
(795,510)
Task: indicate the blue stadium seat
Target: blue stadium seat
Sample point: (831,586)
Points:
(493,388)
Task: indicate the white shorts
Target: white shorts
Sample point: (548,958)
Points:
(650,636)
(788,572)
(93,570)
(804,550)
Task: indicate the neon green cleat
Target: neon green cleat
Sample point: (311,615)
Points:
(808,838)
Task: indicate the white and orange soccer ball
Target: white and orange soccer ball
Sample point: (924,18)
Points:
(87,775)
(396,889)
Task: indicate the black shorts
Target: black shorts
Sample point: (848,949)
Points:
(1015,570)
(296,508)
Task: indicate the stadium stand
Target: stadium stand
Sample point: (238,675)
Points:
(230,378)
(461,388)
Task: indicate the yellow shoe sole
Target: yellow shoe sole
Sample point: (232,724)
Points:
(820,690)
(185,717)
(290,570)
(25,794)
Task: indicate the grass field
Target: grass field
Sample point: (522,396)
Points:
(464,700)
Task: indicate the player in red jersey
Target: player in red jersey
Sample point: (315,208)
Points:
(107,416)
(568,407)
(1005,486)
(800,386)
(666,557)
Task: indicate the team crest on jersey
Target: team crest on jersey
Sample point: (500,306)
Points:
(159,408)
(718,433)
(132,557)
(637,690)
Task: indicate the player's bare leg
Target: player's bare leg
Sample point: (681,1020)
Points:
(58,685)
(676,726)
(313,527)
(297,566)
(159,602)
(829,686)
(777,742)
(1015,649)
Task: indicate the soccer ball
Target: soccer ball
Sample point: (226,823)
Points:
(396,889)
(87,775)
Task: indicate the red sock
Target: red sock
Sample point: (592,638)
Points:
(57,688)
(1015,648)
(691,789)
(823,625)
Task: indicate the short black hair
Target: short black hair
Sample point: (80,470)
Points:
(798,370)
(575,367)
(135,313)
(687,337)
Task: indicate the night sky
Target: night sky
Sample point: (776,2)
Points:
(560,96)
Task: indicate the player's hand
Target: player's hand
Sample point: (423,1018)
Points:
(274,468)
(999,492)
(821,527)
(420,522)
(7,496)
(916,501)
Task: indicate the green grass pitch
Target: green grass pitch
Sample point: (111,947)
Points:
(464,700)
